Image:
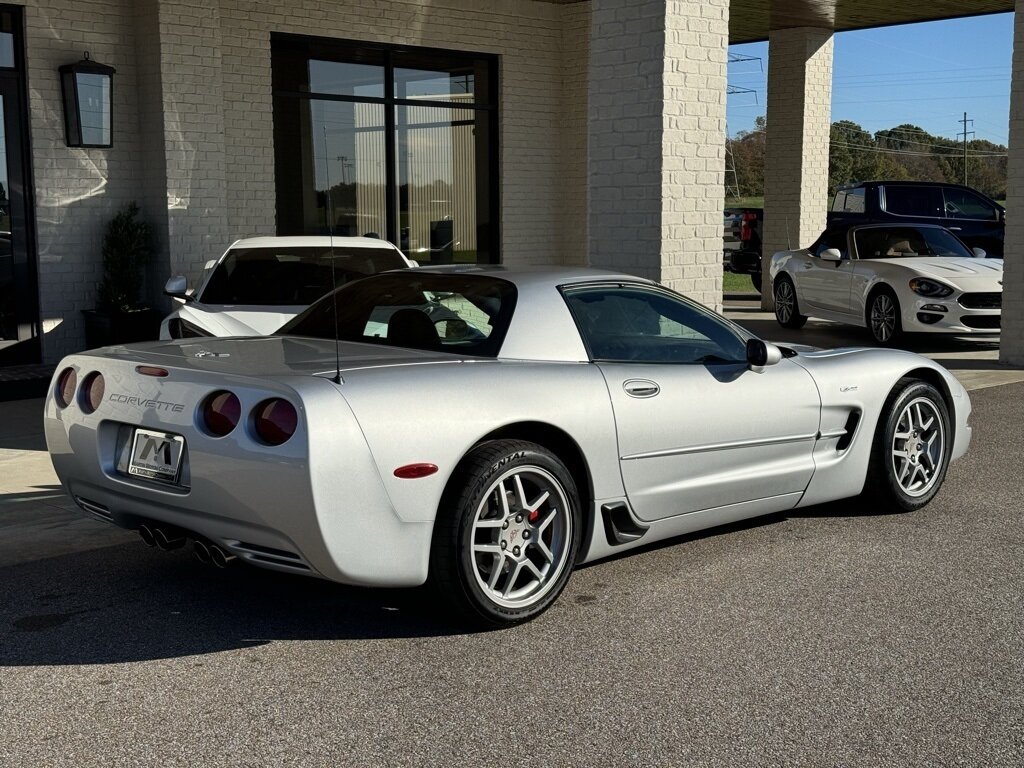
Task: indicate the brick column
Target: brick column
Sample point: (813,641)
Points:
(182,124)
(1011,346)
(657,141)
(796,147)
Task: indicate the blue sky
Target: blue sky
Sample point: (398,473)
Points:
(926,74)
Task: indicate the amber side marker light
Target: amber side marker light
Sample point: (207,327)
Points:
(91,396)
(415,471)
(66,384)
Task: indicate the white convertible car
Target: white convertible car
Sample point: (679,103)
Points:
(891,280)
(541,420)
(261,283)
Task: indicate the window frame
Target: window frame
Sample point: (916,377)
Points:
(286,45)
(741,334)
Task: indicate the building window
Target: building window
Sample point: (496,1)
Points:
(398,143)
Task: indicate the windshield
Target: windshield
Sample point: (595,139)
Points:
(466,314)
(904,242)
(292,276)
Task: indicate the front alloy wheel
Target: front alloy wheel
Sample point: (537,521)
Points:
(911,447)
(507,533)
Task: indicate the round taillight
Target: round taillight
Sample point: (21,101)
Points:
(93,387)
(221,413)
(275,421)
(66,383)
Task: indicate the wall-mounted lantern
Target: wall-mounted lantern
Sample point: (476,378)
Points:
(87,88)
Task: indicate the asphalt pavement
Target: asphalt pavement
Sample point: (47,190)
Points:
(839,635)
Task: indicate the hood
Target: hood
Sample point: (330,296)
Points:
(269,355)
(951,269)
(236,320)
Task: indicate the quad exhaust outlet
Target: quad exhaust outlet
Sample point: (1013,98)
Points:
(168,538)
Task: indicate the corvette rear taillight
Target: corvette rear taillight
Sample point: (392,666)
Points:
(275,421)
(221,412)
(66,384)
(93,388)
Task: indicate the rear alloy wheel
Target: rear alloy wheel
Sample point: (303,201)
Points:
(507,534)
(787,308)
(884,318)
(911,447)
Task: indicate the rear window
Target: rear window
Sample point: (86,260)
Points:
(914,201)
(849,201)
(465,314)
(292,276)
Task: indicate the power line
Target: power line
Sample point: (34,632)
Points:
(906,151)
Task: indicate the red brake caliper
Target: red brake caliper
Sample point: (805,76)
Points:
(534,516)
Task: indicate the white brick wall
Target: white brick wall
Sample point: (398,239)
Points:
(796,151)
(1011,347)
(657,141)
(78,190)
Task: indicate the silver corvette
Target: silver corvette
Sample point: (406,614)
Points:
(487,430)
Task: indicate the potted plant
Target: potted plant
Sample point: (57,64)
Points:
(119,318)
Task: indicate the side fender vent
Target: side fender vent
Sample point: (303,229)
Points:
(851,428)
(619,525)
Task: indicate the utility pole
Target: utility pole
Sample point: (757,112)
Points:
(965,133)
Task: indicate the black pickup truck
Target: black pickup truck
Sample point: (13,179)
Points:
(976,219)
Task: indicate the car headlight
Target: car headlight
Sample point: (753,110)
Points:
(933,289)
(183,329)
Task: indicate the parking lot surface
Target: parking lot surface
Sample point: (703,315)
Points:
(839,635)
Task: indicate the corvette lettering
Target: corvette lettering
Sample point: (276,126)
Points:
(156,405)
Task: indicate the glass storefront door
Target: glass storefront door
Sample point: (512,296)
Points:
(19,313)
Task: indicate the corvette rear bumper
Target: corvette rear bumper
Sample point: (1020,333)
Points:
(314,505)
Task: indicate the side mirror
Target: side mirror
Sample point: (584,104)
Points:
(177,288)
(979,253)
(831,254)
(761,354)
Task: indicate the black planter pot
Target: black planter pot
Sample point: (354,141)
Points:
(103,329)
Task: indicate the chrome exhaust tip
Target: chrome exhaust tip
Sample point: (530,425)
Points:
(146,534)
(201,552)
(167,540)
(219,557)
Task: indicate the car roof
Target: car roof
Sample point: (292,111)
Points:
(313,241)
(536,276)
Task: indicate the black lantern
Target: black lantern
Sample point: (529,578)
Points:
(88,91)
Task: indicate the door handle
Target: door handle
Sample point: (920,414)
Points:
(640,388)
(955,229)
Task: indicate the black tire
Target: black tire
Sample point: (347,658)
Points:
(755,278)
(457,571)
(883,484)
(886,332)
(787,307)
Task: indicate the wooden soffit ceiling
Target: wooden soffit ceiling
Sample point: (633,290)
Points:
(752,20)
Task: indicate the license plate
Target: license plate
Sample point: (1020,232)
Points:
(156,455)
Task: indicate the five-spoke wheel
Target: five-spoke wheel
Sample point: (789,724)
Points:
(507,533)
(912,446)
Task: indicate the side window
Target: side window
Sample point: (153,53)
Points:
(639,325)
(913,201)
(839,203)
(961,204)
(831,239)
